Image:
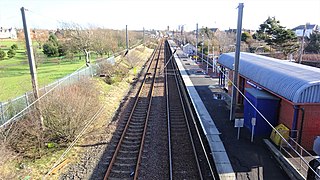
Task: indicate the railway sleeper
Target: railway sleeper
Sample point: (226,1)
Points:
(137,122)
(126,158)
(114,178)
(131,146)
(121,164)
(116,172)
(133,130)
(138,126)
(178,132)
(139,115)
(176,114)
(133,138)
(129,152)
(128,134)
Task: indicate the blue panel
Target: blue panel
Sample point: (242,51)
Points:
(267,104)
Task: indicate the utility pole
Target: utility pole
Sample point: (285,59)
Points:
(202,48)
(143,36)
(127,40)
(236,64)
(32,66)
(302,44)
(197,43)
(208,58)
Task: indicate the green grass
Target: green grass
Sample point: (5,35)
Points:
(15,77)
(16,80)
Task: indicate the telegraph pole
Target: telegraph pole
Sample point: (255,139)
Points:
(302,43)
(33,70)
(143,36)
(127,40)
(236,63)
(197,43)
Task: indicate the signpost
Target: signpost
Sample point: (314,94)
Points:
(239,124)
(253,122)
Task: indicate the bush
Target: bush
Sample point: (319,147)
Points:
(11,53)
(25,137)
(14,47)
(50,50)
(2,54)
(65,113)
(112,73)
(62,50)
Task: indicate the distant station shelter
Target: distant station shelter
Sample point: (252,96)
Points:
(285,92)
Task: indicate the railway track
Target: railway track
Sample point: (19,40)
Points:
(160,139)
(187,155)
(126,158)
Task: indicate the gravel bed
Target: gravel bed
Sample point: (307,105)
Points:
(154,164)
(95,159)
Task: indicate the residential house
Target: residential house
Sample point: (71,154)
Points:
(9,33)
(189,49)
(310,28)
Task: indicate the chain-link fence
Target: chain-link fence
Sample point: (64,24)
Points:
(14,106)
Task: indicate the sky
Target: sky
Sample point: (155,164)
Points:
(157,14)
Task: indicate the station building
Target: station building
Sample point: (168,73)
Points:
(290,93)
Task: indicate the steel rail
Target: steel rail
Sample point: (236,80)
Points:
(186,121)
(188,103)
(107,174)
(147,118)
(168,119)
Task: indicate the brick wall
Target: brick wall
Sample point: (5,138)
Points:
(286,113)
(311,125)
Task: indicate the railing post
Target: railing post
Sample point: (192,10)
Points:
(2,112)
(27,99)
(45,89)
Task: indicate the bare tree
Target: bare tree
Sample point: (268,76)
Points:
(226,41)
(80,39)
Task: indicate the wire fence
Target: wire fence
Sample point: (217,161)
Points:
(14,106)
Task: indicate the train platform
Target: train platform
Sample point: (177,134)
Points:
(234,159)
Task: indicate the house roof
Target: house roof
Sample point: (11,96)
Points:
(308,26)
(214,29)
(295,82)
(188,44)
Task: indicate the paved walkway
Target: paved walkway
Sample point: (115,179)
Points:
(248,160)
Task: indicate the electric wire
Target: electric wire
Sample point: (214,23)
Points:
(94,117)
(265,119)
(31,104)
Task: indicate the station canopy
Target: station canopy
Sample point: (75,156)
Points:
(296,82)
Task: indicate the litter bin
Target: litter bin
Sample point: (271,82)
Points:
(315,165)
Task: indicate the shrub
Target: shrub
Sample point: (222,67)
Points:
(50,50)
(62,49)
(11,53)
(2,54)
(14,47)
(65,112)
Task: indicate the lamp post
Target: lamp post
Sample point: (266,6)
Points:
(214,65)
(236,64)
(197,43)
(208,59)
(202,49)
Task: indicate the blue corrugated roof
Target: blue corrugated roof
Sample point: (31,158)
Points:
(295,82)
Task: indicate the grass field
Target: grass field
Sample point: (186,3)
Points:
(15,77)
